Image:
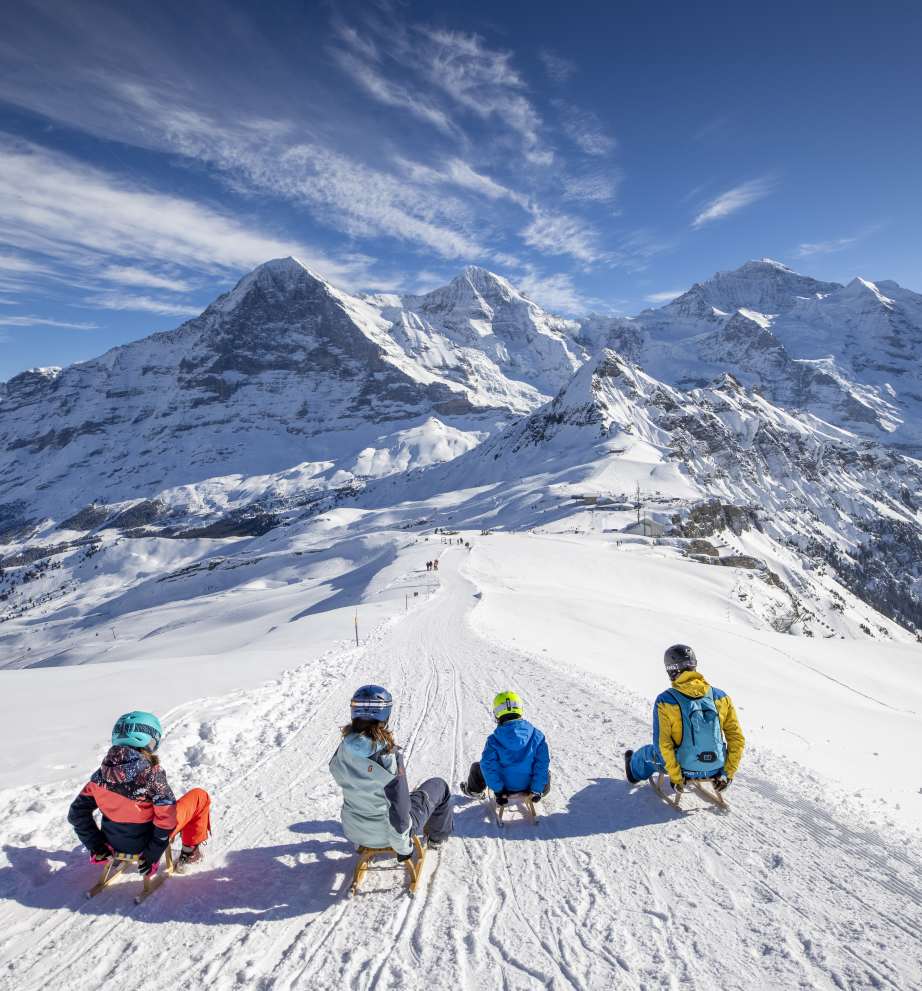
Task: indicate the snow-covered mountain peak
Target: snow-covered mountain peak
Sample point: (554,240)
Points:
(863,289)
(765,286)
(277,278)
(481,310)
(764,263)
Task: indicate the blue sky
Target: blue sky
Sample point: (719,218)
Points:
(601,156)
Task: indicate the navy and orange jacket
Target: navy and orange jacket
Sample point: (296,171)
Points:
(137,805)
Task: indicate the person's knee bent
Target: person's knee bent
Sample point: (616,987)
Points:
(199,796)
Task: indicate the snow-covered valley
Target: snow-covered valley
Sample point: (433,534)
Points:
(812,879)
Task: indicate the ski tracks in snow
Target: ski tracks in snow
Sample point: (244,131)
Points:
(611,890)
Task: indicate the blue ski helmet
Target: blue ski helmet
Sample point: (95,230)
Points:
(372,702)
(137,729)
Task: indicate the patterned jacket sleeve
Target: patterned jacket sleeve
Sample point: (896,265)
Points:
(80,816)
(164,821)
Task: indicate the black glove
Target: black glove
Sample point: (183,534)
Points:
(147,867)
(101,854)
(402,857)
(680,787)
(536,796)
(721,782)
(502,798)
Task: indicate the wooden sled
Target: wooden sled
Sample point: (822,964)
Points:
(414,866)
(120,862)
(520,800)
(701,786)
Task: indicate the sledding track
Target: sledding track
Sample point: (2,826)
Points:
(613,890)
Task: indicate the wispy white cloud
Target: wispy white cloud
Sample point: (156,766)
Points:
(480,79)
(20,264)
(585,129)
(36,321)
(105,217)
(734,199)
(127,275)
(560,234)
(558,69)
(356,199)
(390,93)
(663,297)
(592,187)
(555,292)
(825,247)
(141,304)
(457,172)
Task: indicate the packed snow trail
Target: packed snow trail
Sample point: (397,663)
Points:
(612,890)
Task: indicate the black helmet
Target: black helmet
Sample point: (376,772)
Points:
(680,657)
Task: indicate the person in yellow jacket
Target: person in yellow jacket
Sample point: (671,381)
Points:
(696,733)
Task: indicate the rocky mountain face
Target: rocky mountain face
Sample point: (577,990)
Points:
(806,485)
(787,399)
(284,374)
(851,355)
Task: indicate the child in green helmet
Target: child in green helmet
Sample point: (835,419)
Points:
(515,757)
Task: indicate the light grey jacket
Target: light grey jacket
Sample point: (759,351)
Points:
(376,799)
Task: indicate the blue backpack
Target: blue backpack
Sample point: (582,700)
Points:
(702,751)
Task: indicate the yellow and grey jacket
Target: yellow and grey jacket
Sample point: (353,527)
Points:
(667,723)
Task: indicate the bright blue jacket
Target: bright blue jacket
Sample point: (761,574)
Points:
(516,758)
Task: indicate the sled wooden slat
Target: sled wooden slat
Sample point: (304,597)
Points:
(414,865)
(120,862)
(517,799)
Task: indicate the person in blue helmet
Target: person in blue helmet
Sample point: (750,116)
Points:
(379,810)
(515,757)
(140,814)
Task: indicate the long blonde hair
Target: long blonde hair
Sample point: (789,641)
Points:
(376,731)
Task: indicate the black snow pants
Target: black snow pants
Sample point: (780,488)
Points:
(431,810)
(477,786)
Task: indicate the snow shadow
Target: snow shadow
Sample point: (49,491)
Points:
(605,805)
(350,587)
(261,883)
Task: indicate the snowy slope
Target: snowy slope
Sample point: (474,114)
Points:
(612,890)
(803,489)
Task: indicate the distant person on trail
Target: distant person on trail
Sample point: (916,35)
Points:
(515,757)
(140,814)
(379,810)
(696,733)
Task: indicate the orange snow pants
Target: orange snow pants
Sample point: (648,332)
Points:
(193,817)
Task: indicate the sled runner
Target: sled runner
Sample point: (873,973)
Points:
(701,786)
(705,788)
(520,800)
(120,862)
(659,783)
(414,866)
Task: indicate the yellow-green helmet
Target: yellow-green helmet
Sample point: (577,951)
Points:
(507,703)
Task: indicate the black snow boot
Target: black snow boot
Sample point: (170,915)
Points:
(628,754)
(190,855)
(467,791)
